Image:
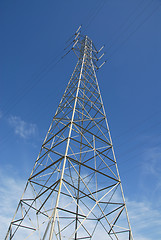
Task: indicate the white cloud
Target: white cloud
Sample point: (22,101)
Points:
(23,129)
(152,159)
(151,174)
(145,220)
(11,189)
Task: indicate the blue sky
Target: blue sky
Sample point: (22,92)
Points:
(33,36)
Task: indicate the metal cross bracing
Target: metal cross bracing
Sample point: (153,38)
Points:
(74,190)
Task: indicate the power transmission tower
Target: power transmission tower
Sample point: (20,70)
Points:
(74,190)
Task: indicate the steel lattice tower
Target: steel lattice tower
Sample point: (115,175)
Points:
(74,190)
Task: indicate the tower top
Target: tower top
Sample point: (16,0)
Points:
(80,41)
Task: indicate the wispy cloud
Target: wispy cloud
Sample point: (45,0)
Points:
(152,159)
(151,174)
(145,220)
(11,189)
(145,215)
(23,129)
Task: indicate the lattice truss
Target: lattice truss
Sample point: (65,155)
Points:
(74,190)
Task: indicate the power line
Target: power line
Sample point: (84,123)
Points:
(138,15)
(23,92)
(96,12)
(138,154)
(27,91)
(138,27)
(50,66)
(137,145)
(33,82)
(138,124)
(142,131)
(30,81)
(130,24)
(30,85)
(122,25)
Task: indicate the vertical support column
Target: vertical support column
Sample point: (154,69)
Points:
(130,232)
(67,147)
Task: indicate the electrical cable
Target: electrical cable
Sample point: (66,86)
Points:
(128,37)
(25,90)
(138,134)
(138,154)
(39,79)
(127,152)
(115,51)
(100,6)
(154,10)
(121,26)
(14,101)
(27,83)
(138,27)
(130,24)
(22,92)
(138,124)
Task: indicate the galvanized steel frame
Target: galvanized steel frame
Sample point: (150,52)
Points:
(80,130)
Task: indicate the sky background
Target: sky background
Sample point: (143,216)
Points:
(34,34)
